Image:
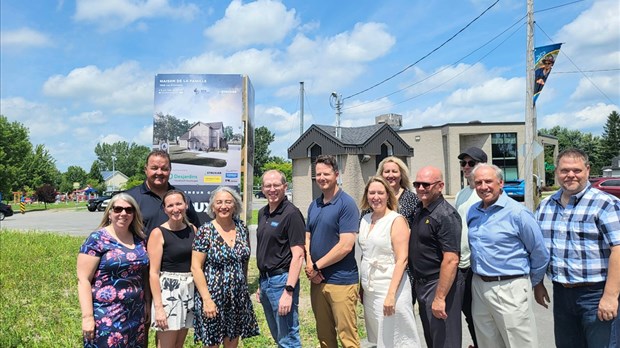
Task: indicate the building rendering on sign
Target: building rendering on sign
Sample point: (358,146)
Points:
(360,149)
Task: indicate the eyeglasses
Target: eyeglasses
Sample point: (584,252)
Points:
(470,163)
(426,185)
(128,210)
(275,186)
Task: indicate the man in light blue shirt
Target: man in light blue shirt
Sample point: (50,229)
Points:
(508,257)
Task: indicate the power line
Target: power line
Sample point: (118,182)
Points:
(425,56)
(446,67)
(585,71)
(579,69)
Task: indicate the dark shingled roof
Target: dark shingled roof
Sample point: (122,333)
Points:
(352,135)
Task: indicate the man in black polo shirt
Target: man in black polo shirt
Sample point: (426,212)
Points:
(149,195)
(434,249)
(279,256)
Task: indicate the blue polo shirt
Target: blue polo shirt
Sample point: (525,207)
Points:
(325,224)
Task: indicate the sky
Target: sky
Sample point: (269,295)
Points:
(77,73)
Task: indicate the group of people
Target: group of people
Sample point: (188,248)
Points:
(174,277)
(485,256)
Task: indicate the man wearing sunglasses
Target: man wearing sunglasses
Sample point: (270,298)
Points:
(434,249)
(464,199)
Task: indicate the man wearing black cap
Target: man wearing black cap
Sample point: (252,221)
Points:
(464,199)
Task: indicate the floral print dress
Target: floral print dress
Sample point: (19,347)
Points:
(227,285)
(118,291)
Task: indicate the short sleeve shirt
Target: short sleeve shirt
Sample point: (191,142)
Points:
(277,232)
(436,229)
(326,221)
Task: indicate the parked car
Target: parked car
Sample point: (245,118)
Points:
(96,204)
(610,185)
(515,189)
(5,211)
(289,194)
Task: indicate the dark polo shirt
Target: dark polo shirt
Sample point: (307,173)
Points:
(152,208)
(277,232)
(436,229)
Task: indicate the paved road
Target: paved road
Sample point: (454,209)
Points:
(81,223)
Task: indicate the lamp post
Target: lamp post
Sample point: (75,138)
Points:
(113,172)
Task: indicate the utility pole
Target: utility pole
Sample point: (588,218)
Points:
(301,108)
(530,112)
(337,98)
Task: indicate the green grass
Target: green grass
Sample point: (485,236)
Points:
(38,295)
(40,206)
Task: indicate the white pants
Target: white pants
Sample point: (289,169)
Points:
(503,315)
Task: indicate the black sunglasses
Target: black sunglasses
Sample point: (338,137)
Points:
(470,163)
(426,185)
(128,210)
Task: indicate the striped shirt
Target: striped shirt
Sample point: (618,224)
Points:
(579,236)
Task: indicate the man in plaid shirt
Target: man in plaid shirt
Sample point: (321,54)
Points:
(581,227)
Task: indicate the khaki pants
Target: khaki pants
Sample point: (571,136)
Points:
(503,313)
(334,308)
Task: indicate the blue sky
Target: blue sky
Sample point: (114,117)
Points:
(81,72)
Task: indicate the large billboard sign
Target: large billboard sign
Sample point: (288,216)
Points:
(202,120)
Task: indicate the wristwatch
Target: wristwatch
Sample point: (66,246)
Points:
(315,267)
(289,288)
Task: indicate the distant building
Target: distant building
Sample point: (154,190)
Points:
(360,149)
(613,169)
(113,180)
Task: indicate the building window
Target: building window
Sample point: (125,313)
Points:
(504,154)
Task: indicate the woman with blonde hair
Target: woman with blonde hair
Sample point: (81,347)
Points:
(112,268)
(395,171)
(386,295)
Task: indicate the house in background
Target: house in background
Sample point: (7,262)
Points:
(358,150)
(614,169)
(203,136)
(113,180)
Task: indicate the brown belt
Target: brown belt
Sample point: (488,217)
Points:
(499,278)
(578,285)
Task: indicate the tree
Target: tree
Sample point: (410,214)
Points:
(129,158)
(228,133)
(40,168)
(610,144)
(167,128)
(15,147)
(568,138)
(262,139)
(95,171)
(283,166)
(72,175)
(46,194)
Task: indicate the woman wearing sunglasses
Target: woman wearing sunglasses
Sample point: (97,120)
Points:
(170,276)
(112,267)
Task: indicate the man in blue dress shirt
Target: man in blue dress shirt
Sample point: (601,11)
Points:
(508,257)
(581,227)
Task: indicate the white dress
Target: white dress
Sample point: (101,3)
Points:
(377,267)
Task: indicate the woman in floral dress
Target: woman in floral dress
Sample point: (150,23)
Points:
(223,310)
(112,269)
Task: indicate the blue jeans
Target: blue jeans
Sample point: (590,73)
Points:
(576,322)
(284,329)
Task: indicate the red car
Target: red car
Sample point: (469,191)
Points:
(609,185)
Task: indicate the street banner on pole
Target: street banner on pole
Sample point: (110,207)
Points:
(544,57)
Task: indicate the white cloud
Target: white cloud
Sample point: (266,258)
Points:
(90,118)
(115,14)
(592,87)
(111,138)
(446,78)
(144,136)
(24,38)
(324,63)
(496,90)
(42,120)
(589,119)
(592,40)
(258,22)
(122,89)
